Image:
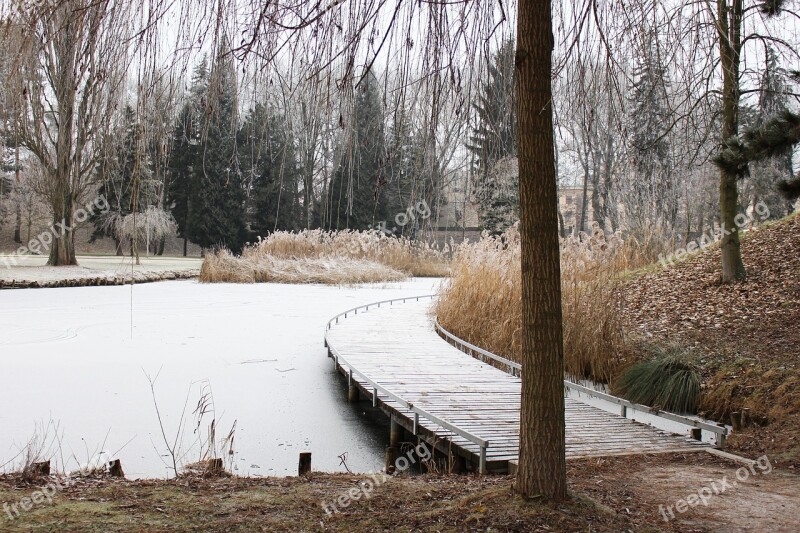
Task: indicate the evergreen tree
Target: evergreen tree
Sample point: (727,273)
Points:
(495,138)
(766,174)
(270,172)
(356,196)
(653,195)
(776,135)
(205,188)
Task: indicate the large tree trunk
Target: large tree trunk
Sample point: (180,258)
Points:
(62,251)
(542,465)
(730,23)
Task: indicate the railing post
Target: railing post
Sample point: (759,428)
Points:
(623,411)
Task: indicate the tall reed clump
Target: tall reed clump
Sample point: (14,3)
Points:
(333,257)
(482,301)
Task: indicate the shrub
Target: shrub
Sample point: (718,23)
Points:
(668,382)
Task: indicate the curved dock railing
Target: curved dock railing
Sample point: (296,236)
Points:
(515,369)
(341,361)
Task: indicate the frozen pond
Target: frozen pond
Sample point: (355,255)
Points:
(78,358)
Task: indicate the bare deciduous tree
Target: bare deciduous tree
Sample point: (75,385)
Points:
(65,81)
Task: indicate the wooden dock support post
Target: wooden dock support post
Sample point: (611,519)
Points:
(697,434)
(352,388)
(395,432)
(304,467)
(352,394)
(623,411)
(391,455)
(458,464)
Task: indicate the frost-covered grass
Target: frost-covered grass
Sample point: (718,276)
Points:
(34,267)
(327,257)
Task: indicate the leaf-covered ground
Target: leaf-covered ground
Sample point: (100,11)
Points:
(747,334)
(614,494)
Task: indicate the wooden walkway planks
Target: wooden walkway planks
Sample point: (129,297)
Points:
(395,346)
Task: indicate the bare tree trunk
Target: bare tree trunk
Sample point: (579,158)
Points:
(18,224)
(542,464)
(62,252)
(730,22)
(18,206)
(584,202)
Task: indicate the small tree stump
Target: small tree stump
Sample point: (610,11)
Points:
(40,469)
(745,417)
(215,466)
(115,468)
(304,467)
(391,455)
(736,421)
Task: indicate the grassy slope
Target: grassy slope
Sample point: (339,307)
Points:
(747,333)
(419,503)
(611,494)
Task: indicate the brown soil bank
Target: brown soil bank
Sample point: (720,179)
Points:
(616,494)
(748,334)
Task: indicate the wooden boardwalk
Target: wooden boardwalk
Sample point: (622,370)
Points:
(394,351)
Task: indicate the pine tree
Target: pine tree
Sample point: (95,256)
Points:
(206,187)
(653,196)
(356,195)
(495,137)
(270,172)
(773,137)
(766,174)
(185,153)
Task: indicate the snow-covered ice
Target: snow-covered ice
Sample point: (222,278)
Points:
(78,356)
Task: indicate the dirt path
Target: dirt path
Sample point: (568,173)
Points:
(696,492)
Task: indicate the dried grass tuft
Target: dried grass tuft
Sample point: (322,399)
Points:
(317,256)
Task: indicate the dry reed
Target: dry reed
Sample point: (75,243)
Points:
(482,301)
(317,256)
